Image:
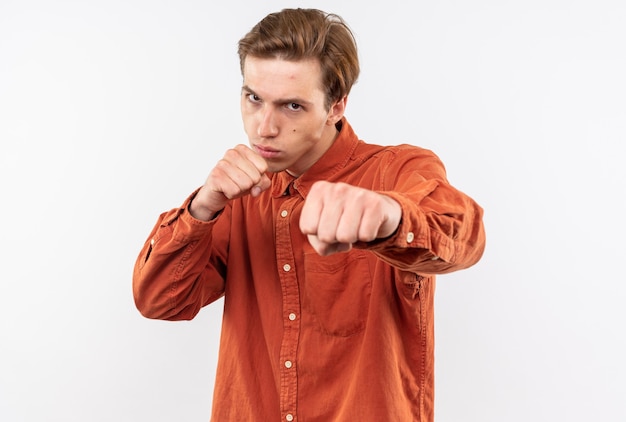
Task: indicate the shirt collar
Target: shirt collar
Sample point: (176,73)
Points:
(333,160)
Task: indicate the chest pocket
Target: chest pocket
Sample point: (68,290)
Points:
(338,290)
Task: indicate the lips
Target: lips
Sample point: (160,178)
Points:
(266,152)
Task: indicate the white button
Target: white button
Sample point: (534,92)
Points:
(152,242)
(288,364)
(292,316)
(409,237)
(287,267)
(289,417)
(434,258)
(283,213)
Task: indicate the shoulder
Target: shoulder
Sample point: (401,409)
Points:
(402,152)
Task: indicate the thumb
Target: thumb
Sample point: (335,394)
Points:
(325,249)
(263,184)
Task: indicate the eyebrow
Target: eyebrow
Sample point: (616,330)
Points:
(296,100)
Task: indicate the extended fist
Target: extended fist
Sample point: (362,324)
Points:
(336,215)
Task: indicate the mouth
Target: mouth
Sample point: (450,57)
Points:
(266,152)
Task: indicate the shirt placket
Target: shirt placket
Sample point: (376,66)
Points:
(291,309)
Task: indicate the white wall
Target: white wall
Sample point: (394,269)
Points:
(113,111)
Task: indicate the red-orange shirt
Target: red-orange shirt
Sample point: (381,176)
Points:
(348,337)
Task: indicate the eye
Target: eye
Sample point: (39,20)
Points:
(294,106)
(254,98)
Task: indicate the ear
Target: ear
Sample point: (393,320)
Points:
(336,111)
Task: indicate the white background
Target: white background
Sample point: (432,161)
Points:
(114,111)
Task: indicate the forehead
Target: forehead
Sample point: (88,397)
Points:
(274,77)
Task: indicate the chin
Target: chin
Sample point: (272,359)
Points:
(275,167)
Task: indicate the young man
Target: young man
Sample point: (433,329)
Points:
(324,247)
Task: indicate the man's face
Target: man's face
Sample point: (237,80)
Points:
(282,106)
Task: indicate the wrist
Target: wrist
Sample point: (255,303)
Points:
(200,212)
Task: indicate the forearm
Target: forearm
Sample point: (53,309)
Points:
(175,274)
(440,232)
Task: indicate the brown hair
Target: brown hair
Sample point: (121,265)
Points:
(296,34)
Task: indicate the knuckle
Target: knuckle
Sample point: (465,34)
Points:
(222,164)
(325,236)
(230,155)
(240,149)
(345,236)
(367,234)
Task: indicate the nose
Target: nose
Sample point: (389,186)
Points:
(268,127)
